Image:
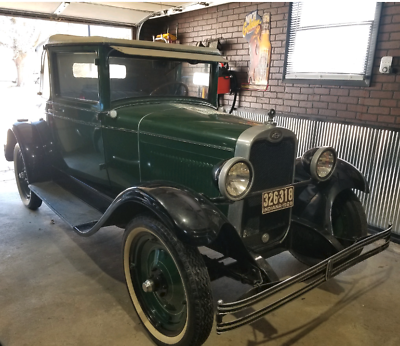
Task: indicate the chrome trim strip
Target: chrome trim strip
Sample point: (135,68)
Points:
(87,123)
(224,172)
(93,110)
(243,149)
(186,141)
(106,127)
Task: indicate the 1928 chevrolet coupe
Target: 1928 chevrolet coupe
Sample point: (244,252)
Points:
(133,138)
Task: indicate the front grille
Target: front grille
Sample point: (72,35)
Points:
(273,167)
(273,163)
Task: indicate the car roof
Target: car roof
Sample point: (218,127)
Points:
(64,40)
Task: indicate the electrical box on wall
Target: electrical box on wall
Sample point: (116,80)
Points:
(386,64)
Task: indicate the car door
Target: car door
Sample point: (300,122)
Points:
(74,119)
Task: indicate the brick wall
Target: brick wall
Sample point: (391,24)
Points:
(378,104)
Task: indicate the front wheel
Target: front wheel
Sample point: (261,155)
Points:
(168,283)
(29,198)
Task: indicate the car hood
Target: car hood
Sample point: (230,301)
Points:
(195,124)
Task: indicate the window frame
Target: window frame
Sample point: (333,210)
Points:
(56,80)
(365,82)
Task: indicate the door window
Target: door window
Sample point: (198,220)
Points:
(78,76)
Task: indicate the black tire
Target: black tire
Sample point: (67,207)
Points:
(177,308)
(29,198)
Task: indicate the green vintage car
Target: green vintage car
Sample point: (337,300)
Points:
(133,138)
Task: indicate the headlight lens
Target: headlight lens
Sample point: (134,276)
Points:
(238,179)
(325,164)
(235,178)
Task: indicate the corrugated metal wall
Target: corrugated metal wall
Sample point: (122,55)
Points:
(375,152)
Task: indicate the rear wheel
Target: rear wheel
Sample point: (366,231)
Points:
(168,283)
(29,198)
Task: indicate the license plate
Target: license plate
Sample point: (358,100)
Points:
(277,199)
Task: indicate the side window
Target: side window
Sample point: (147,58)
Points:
(78,76)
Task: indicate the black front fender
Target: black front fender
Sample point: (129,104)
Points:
(36,147)
(313,202)
(195,219)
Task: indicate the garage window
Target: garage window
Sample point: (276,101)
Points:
(331,44)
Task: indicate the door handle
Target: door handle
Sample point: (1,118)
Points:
(113,114)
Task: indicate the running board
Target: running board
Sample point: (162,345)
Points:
(74,211)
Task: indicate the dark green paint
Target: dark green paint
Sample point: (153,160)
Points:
(175,139)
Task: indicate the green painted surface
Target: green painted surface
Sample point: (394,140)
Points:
(173,142)
(172,139)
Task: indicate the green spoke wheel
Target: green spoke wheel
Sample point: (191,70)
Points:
(29,198)
(168,284)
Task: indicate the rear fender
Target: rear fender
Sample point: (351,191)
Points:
(36,146)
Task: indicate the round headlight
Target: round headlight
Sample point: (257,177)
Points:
(236,178)
(323,163)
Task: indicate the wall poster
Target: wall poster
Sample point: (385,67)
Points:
(256,32)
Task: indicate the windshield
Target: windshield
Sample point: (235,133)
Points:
(155,77)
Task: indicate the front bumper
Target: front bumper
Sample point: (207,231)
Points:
(313,277)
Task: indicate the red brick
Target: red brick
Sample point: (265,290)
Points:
(390,9)
(256,105)
(291,103)
(359,93)
(357,108)
(297,110)
(299,97)
(327,112)
(369,102)
(367,117)
(344,114)
(384,78)
(321,91)
(329,98)
(396,19)
(378,110)
(312,111)
(345,99)
(285,109)
(305,104)
(386,119)
(395,111)
(382,94)
(338,106)
(391,86)
(390,27)
(307,90)
(388,103)
(395,35)
(339,92)
(320,105)
(276,102)
(314,97)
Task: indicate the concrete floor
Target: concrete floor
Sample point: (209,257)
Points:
(57,288)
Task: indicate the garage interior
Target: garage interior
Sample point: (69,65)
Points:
(57,288)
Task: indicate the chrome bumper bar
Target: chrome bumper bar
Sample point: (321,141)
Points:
(313,276)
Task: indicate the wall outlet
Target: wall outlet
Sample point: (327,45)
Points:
(386,64)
